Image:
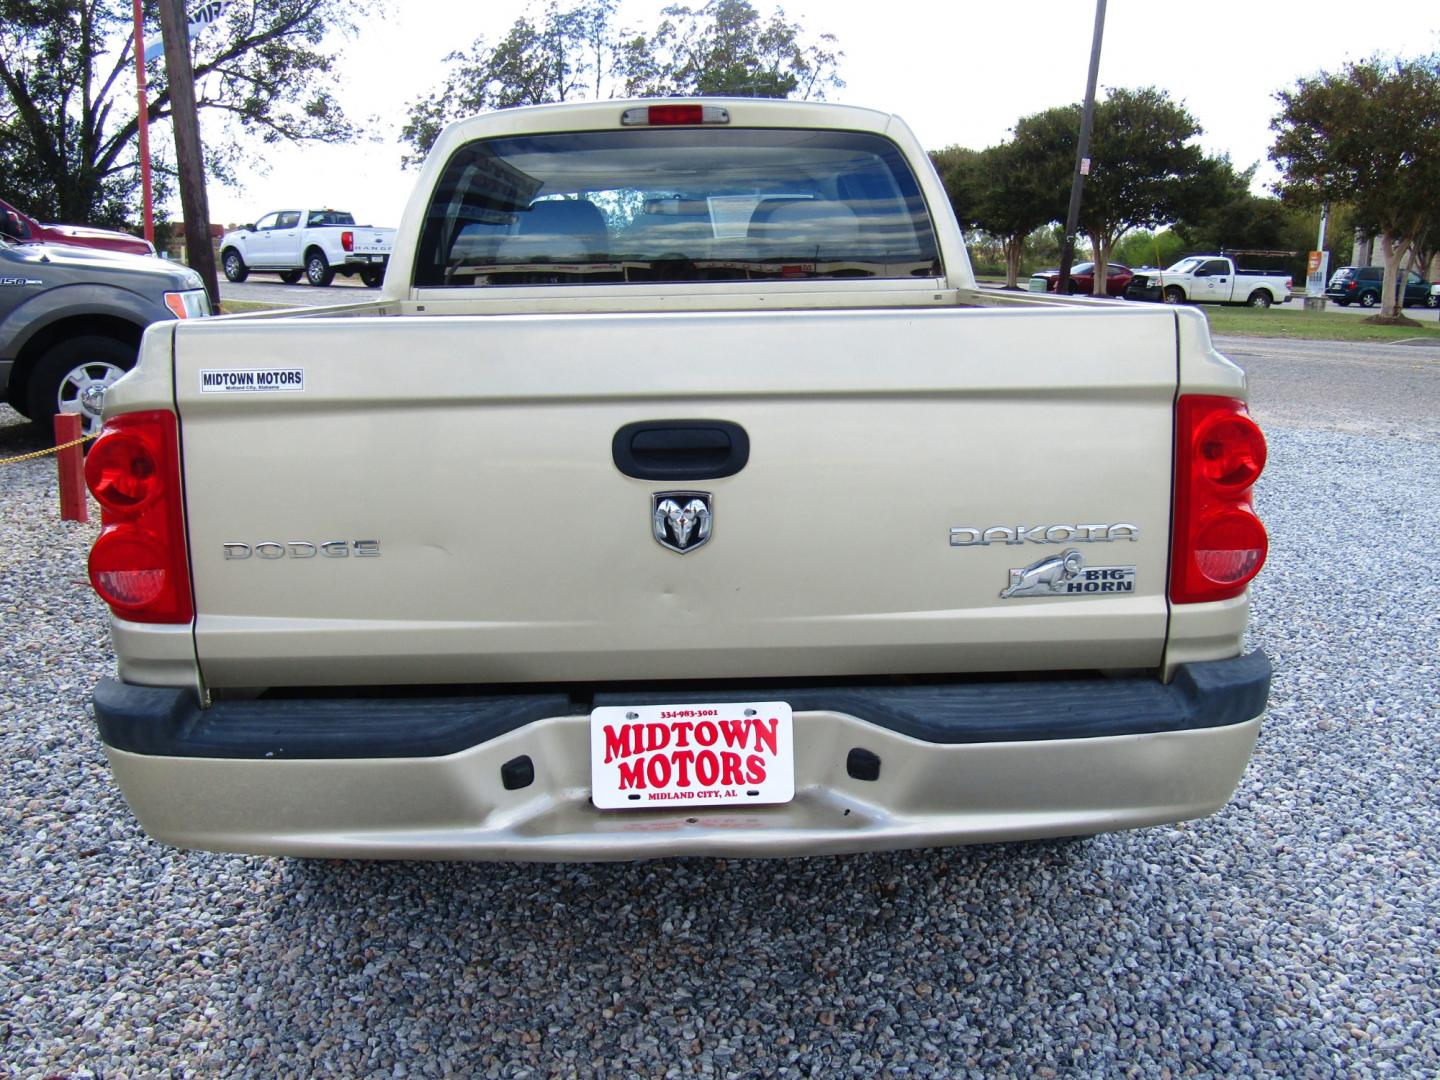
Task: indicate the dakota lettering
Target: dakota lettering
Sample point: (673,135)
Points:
(965,536)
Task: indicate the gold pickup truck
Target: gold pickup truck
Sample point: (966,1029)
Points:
(681,494)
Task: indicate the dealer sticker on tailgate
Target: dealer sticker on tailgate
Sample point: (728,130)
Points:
(700,755)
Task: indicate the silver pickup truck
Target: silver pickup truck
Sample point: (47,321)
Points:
(681,494)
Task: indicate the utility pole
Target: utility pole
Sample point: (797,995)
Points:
(142,121)
(1082,157)
(189,155)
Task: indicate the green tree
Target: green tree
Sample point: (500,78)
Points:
(68,123)
(558,55)
(1150,247)
(1368,135)
(1146,169)
(958,169)
(995,192)
(724,47)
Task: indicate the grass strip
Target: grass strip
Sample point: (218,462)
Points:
(238,307)
(1292,322)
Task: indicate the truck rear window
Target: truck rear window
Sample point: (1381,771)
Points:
(676,204)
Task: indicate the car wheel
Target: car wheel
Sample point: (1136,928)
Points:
(1259,299)
(1368,299)
(1432,301)
(289,277)
(72,377)
(1343,303)
(318,270)
(1074,289)
(372,276)
(235,268)
(1174,295)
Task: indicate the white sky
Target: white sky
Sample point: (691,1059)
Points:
(960,71)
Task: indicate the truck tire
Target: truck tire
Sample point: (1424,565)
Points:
(289,277)
(234,265)
(1174,295)
(1369,299)
(73,375)
(372,276)
(1259,299)
(318,270)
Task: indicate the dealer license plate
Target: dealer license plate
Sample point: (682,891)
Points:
(648,756)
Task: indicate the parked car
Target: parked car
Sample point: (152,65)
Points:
(1082,279)
(316,243)
(1211,279)
(1362,284)
(756,526)
(71,320)
(24,229)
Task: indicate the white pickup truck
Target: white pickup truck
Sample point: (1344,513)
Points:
(681,494)
(1210,279)
(316,243)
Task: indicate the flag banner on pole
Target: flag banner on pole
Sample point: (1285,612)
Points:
(200,20)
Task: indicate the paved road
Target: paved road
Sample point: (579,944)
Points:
(1374,389)
(269,289)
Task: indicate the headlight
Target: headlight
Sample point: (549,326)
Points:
(191,304)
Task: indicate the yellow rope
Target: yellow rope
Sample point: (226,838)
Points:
(51,450)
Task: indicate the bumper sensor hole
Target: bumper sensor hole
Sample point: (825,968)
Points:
(862,764)
(517,773)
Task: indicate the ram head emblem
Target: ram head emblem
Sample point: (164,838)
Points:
(681,519)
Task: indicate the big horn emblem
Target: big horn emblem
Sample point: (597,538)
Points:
(681,519)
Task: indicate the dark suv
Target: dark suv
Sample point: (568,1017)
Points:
(1361,284)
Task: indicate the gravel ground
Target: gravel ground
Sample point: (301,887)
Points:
(1296,932)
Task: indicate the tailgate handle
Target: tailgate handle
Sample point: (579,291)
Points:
(680,449)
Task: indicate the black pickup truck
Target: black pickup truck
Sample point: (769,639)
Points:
(71,320)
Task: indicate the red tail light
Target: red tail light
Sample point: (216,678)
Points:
(139,564)
(347,240)
(665,115)
(1218,543)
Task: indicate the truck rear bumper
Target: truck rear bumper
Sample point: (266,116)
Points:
(958,763)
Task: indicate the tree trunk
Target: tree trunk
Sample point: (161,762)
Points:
(1100,247)
(1014,249)
(1391,302)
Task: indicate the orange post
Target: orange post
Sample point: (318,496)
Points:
(71,461)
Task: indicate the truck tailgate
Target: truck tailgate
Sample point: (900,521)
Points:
(476,453)
(374,241)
